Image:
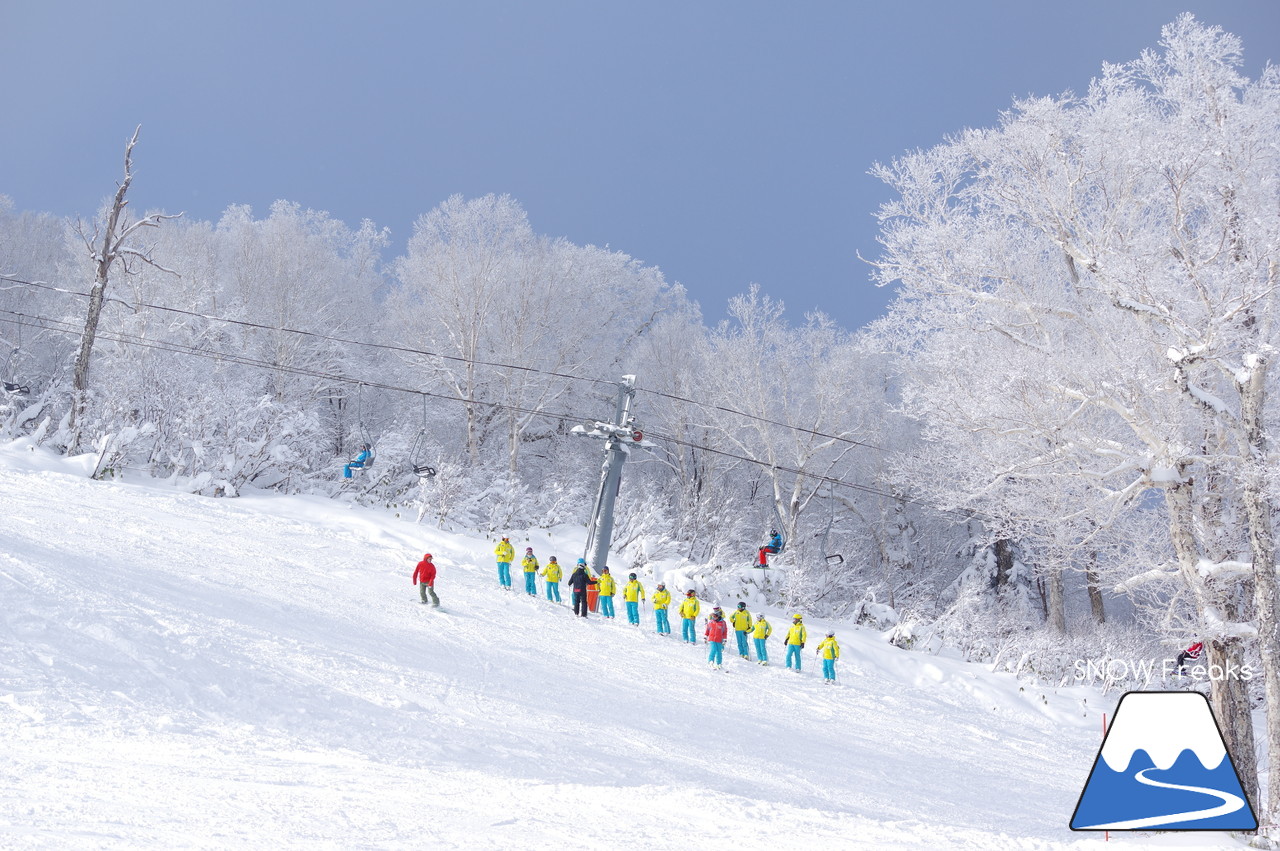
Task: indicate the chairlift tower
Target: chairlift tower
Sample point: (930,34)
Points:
(618,436)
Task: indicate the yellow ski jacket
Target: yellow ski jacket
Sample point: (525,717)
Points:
(741,620)
(505,552)
(689,607)
(606,585)
(797,634)
(634,592)
(661,599)
(829,649)
(762,630)
(552,573)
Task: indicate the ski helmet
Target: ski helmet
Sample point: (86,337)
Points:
(689,593)
(662,587)
(631,576)
(760,616)
(831,634)
(604,569)
(528,549)
(741,605)
(773,531)
(582,561)
(716,610)
(553,558)
(798,617)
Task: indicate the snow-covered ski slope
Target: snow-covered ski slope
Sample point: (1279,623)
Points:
(184,672)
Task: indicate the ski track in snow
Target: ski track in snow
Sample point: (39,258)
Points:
(1230,803)
(183,672)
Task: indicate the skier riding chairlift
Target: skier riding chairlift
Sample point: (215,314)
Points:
(362,461)
(775,546)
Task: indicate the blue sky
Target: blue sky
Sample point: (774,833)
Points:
(726,142)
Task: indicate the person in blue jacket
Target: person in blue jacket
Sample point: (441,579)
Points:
(360,460)
(773,547)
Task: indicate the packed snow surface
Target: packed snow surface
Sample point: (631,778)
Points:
(185,672)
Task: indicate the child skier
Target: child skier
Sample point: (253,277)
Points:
(505,553)
(689,608)
(717,631)
(796,637)
(829,651)
(661,599)
(761,635)
(530,565)
(608,587)
(632,595)
(741,622)
(424,576)
(552,574)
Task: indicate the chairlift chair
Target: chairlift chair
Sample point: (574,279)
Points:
(417,452)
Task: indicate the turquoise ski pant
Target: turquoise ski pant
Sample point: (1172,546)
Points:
(742,641)
(606,606)
(553,591)
(828,669)
(531,582)
(662,622)
(633,612)
(761,653)
(716,656)
(687,632)
(793,652)
(504,574)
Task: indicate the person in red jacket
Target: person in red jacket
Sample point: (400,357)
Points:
(424,576)
(717,632)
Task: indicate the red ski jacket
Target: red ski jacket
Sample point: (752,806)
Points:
(425,572)
(717,630)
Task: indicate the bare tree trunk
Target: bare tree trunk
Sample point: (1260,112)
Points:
(1228,695)
(1057,601)
(104,256)
(1265,594)
(1003,549)
(114,235)
(1096,605)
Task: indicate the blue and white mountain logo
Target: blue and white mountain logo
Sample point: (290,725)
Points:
(1163,765)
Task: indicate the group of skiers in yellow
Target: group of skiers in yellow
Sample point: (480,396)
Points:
(744,626)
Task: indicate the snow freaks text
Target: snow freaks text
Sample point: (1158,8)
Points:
(1113,670)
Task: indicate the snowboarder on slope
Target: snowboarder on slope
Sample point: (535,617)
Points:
(760,635)
(661,599)
(796,637)
(829,650)
(579,581)
(552,574)
(717,631)
(505,554)
(741,622)
(424,576)
(607,587)
(530,565)
(774,546)
(359,462)
(632,594)
(689,609)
